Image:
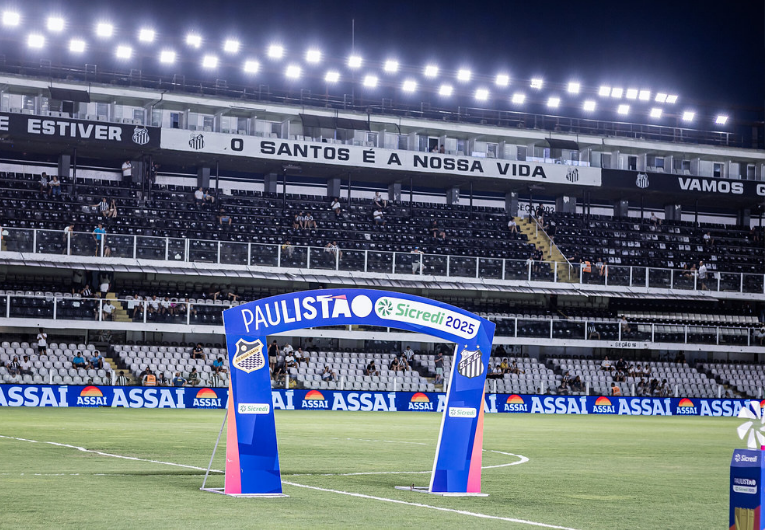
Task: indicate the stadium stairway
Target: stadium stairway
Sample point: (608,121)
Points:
(120,313)
(540,240)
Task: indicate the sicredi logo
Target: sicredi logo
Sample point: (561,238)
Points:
(462,412)
(743,458)
(91,396)
(254,408)
(420,401)
(426,315)
(515,403)
(305,308)
(315,400)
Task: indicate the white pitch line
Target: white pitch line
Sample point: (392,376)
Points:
(419,505)
(295,484)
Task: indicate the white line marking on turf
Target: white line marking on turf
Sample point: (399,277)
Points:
(295,484)
(419,505)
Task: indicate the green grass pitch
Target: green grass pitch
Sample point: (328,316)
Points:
(583,472)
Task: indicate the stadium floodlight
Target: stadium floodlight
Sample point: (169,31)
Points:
(124,52)
(655,113)
(589,105)
(194,40)
(661,97)
(293,71)
(623,109)
(644,95)
(231,45)
(370,81)
(104,30)
(632,93)
(36,41)
(574,87)
(391,66)
(355,61)
(688,115)
(209,61)
(604,91)
(553,102)
(276,51)
(146,35)
(502,80)
(76,45)
(464,75)
(410,85)
(251,66)
(56,24)
(445,90)
(617,93)
(721,119)
(518,98)
(537,83)
(431,71)
(313,56)
(333,76)
(11,19)
(167,56)
(672,98)
(481,94)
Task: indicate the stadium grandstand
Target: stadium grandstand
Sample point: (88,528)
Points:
(618,253)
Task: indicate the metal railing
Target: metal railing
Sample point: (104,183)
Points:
(286,256)
(188,312)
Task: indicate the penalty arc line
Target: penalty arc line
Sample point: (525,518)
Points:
(295,484)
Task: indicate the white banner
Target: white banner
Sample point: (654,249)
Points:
(294,151)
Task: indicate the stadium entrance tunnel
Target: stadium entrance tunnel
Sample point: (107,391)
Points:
(252,457)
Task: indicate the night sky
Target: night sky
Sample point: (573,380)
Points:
(710,53)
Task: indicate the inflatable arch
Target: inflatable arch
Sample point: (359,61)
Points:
(252,458)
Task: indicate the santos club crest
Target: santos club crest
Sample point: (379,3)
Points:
(249,356)
(471,364)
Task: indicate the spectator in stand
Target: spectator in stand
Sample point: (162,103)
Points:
(199,197)
(434,229)
(199,352)
(224,219)
(111,213)
(664,389)
(594,333)
(442,150)
(408,354)
(289,360)
(615,390)
(416,260)
(708,240)
(279,374)
(273,355)
(78,361)
(107,310)
(333,249)
(162,380)
(439,367)
(25,366)
(121,380)
(603,272)
(394,365)
(328,374)
(624,325)
(135,307)
(44,183)
(620,364)
(403,363)
(655,221)
(166,307)
(14,367)
(178,380)
(563,388)
(42,342)
(98,236)
(512,226)
(97,361)
(441,238)
(218,367)
(102,207)
(377,215)
(68,234)
(606,365)
(371,369)
(335,207)
(193,379)
(209,197)
(308,221)
(86,291)
(380,203)
(680,357)
(759,334)
(515,369)
(127,172)
(287,349)
(300,357)
(491,373)
(287,249)
(152,305)
(577,385)
(297,223)
(55,187)
(103,287)
(703,276)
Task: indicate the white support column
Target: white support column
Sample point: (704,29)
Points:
(477,267)
(447,266)
(504,262)
(68,243)
(366,259)
(218,260)
(167,248)
(135,248)
(55,305)
(671,278)
(278,255)
(34,241)
(307,257)
(393,264)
